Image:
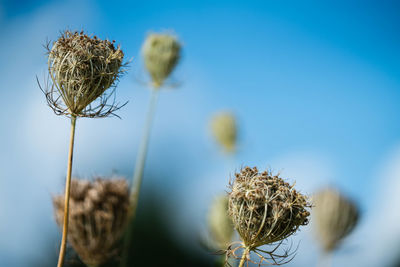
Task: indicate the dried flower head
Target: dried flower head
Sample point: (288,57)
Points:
(335,216)
(97,219)
(224,129)
(219,223)
(81,69)
(161,54)
(265,210)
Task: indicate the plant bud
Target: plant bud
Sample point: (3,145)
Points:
(224,129)
(335,217)
(219,223)
(161,54)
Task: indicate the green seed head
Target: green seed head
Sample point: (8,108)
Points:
(224,129)
(219,223)
(161,54)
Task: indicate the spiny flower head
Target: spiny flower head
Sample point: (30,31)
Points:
(81,69)
(264,208)
(97,219)
(224,129)
(335,217)
(161,54)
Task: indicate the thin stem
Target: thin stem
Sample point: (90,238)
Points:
(67,190)
(325,259)
(141,159)
(138,174)
(244,256)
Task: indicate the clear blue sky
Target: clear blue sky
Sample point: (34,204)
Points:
(311,82)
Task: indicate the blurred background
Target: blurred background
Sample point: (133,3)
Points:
(314,86)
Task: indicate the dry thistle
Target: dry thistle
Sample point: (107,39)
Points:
(335,216)
(265,210)
(98,217)
(81,69)
(224,129)
(161,54)
(219,223)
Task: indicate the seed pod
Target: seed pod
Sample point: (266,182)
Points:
(335,216)
(161,54)
(224,129)
(264,208)
(97,218)
(219,223)
(81,69)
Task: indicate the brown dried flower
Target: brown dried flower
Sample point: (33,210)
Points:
(335,216)
(98,217)
(81,69)
(161,53)
(265,210)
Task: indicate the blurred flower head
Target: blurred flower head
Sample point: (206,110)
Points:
(334,217)
(161,54)
(224,129)
(81,69)
(219,223)
(97,219)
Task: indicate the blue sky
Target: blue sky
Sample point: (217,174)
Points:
(314,84)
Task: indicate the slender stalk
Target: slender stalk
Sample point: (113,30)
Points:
(325,259)
(138,174)
(244,256)
(67,190)
(141,159)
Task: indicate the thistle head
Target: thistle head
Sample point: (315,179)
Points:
(219,223)
(265,210)
(224,130)
(97,217)
(81,70)
(335,216)
(161,54)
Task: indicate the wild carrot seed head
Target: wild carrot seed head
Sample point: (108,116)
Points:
(81,69)
(161,54)
(219,223)
(264,208)
(97,219)
(224,129)
(335,217)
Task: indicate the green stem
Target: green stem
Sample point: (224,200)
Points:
(138,174)
(67,190)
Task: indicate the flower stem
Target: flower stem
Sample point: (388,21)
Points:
(325,259)
(67,190)
(141,159)
(244,256)
(138,173)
